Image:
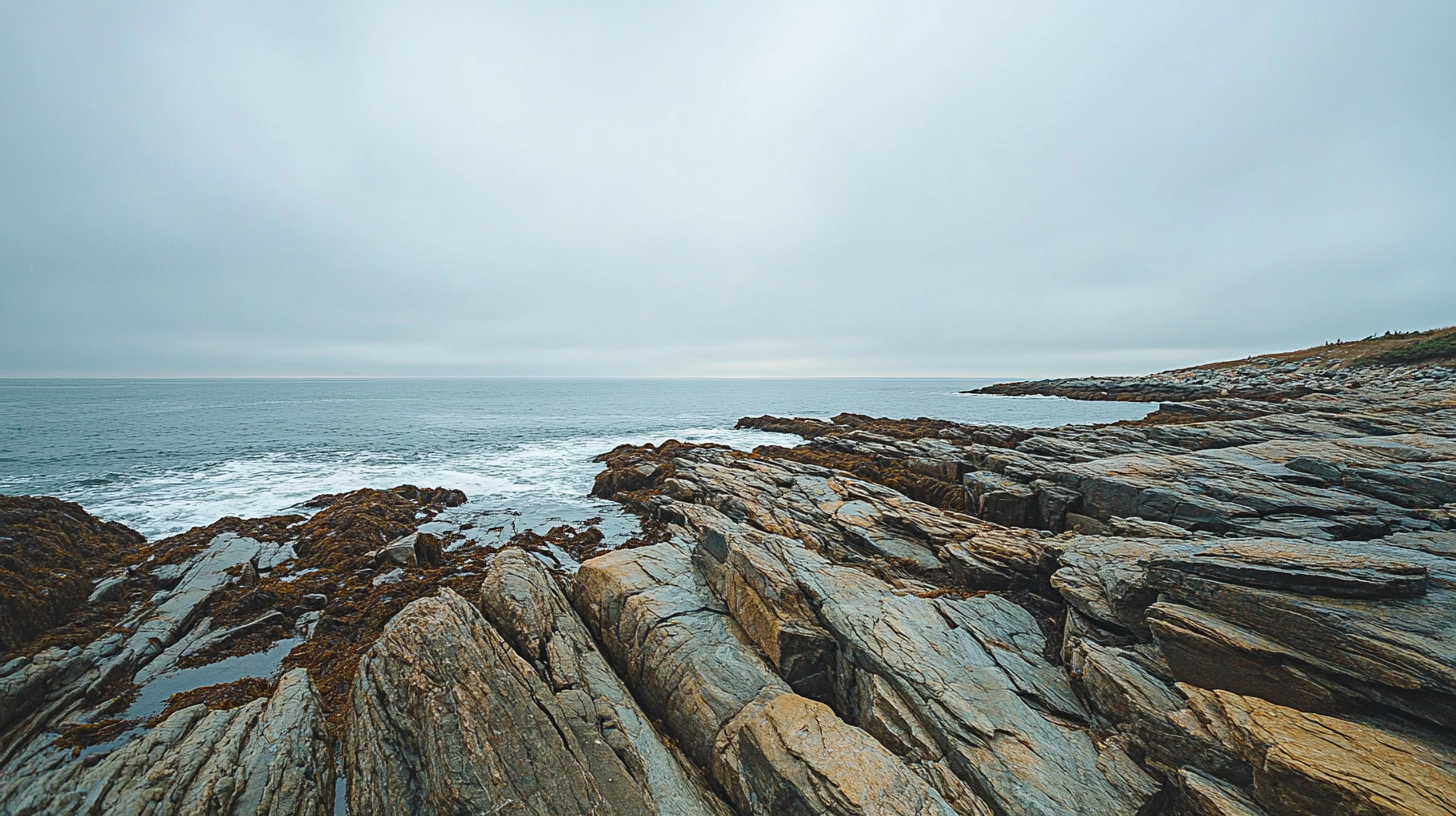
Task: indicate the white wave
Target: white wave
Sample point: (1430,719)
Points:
(544,478)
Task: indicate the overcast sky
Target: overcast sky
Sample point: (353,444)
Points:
(960,188)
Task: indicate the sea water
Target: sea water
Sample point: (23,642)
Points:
(163,456)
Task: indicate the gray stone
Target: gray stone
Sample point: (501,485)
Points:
(445,718)
(269,756)
(970,671)
(400,552)
(525,605)
(773,751)
(110,588)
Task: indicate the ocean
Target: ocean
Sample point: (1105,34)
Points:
(163,456)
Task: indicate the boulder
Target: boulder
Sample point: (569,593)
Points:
(399,553)
(1002,500)
(110,588)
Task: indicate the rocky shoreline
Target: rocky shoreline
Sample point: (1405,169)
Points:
(1244,604)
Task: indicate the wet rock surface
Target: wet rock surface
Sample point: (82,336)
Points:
(267,756)
(1242,605)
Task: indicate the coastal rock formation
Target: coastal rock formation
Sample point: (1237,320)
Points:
(269,756)
(525,604)
(446,718)
(1296,555)
(695,667)
(968,672)
(1243,605)
(172,694)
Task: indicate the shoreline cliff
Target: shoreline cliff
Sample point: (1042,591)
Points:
(1243,604)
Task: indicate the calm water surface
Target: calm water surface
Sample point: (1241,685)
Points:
(165,455)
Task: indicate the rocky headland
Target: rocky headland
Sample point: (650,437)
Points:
(1244,604)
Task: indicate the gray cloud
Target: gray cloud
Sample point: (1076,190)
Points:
(685,189)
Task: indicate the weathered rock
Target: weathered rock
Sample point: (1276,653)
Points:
(1106,579)
(792,755)
(1310,763)
(849,519)
(968,673)
(1205,795)
(1303,568)
(685,659)
(525,605)
(1002,500)
(693,666)
(175,612)
(110,588)
(1135,389)
(1314,466)
(1151,712)
(269,756)
(1312,625)
(400,552)
(33,690)
(1329,651)
(446,718)
(1250,488)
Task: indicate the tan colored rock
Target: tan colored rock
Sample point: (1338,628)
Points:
(694,668)
(1205,795)
(793,755)
(1312,763)
(1321,627)
(684,658)
(445,718)
(526,606)
(847,519)
(1153,714)
(969,674)
(1318,652)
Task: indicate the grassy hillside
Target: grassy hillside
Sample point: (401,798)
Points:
(1437,346)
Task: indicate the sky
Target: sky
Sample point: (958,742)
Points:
(718,189)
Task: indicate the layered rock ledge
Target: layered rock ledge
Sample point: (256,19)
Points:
(1245,604)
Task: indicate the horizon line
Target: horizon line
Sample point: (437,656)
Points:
(220,377)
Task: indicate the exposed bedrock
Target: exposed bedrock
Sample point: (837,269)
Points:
(447,718)
(693,666)
(1341,465)
(34,689)
(1237,607)
(1319,627)
(528,608)
(269,756)
(1237,754)
(133,702)
(956,680)
(1289,559)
